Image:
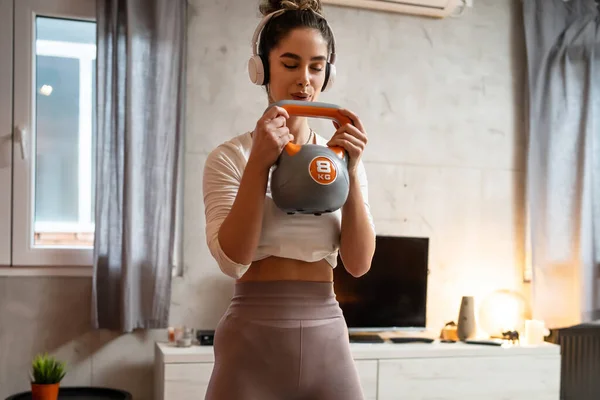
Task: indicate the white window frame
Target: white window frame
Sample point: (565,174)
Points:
(6,94)
(25,258)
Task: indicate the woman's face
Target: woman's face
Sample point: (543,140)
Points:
(297,66)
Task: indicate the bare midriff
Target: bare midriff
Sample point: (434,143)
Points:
(286,269)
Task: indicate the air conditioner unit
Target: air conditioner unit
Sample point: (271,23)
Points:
(427,8)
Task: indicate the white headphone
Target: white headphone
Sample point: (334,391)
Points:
(258,64)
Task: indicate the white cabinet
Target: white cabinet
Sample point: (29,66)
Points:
(185,381)
(412,371)
(470,378)
(367,371)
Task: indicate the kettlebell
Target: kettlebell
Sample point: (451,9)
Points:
(311,178)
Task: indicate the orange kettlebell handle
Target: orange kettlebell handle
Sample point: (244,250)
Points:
(313,109)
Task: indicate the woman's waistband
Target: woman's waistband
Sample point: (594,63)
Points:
(285,300)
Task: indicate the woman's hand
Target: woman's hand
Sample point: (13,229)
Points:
(352,137)
(269,137)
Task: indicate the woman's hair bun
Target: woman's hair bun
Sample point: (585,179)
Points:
(269,6)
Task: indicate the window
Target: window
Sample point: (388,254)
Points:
(47,130)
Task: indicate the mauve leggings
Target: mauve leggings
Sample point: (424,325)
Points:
(283,341)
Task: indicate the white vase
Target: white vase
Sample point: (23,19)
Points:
(466,327)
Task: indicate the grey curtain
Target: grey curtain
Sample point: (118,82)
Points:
(140,121)
(563,176)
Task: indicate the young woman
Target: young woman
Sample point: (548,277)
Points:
(284,336)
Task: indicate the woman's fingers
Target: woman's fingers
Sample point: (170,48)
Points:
(354,149)
(276,122)
(355,119)
(352,131)
(283,136)
(346,137)
(273,112)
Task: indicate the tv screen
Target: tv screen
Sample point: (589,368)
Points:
(393,293)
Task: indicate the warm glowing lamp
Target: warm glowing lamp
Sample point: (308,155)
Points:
(503,310)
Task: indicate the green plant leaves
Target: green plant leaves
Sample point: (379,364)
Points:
(46,369)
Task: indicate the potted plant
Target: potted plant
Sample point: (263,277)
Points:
(46,375)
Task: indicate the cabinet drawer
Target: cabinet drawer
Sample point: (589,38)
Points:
(470,378)
(186,381)
(367,372)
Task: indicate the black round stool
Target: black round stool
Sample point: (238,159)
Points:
(81,393)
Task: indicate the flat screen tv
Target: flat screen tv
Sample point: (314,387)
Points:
(393,294)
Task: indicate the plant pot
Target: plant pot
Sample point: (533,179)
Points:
(44,391)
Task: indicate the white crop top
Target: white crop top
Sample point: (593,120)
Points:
(303,237)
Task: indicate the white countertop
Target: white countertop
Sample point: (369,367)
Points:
(170,353)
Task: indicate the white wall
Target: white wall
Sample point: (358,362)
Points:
(443,109)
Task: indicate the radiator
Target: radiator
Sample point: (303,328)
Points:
(580,362)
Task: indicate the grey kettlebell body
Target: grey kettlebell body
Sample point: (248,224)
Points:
(297,189)
(310,178)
